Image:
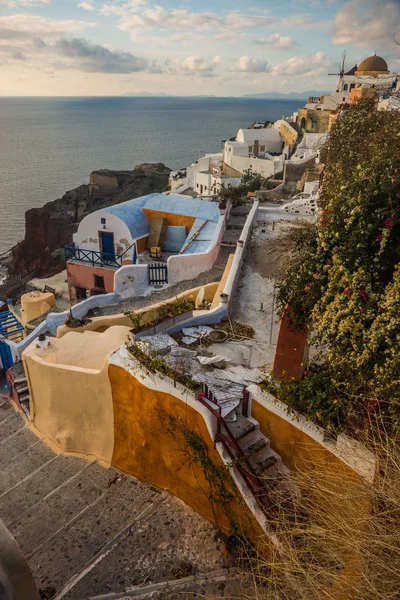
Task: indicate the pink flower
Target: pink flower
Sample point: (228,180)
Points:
(379,237)
(200,396)
(305,373)
(366,341)
(389,223)
(328,262)
(380,310)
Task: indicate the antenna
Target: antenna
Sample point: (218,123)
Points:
(342,65)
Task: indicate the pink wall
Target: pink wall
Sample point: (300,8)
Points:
(83,276)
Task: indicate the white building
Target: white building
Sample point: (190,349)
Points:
(255,150)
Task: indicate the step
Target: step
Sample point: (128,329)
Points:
(267,465)
(26,411)
(241,428)
(256,447)
(25,399)
(22,390)
(19,380)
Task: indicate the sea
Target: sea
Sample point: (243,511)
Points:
(50,145)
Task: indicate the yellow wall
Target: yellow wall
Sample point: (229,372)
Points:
(70,405)
(171,218)
(319,117)
(144,449)
(288,134)
(304,455)
(222,283)
(102,323)
(36,304)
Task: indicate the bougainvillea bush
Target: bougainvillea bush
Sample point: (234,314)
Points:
(343,283)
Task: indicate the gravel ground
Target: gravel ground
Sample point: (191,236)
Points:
(214,274)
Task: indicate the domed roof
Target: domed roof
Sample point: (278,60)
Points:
(373,63)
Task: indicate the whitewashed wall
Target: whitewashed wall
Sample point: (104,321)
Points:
(87,236)
(131,280)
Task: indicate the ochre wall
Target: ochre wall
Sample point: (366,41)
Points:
(288,134)
(71,406)
(83,276)
(332,485)
(171,219)
(144,449)
(320,118)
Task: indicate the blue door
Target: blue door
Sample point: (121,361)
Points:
(107,247)
(6,356)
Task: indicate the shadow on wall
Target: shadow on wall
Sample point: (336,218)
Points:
(150,443)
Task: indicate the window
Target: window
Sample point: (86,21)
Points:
(99,282)
(80,293)
(352,86)
(103,221)
(345,87)
(250,149)
(197,185)
(262,148)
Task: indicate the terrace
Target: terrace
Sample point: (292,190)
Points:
(94,257)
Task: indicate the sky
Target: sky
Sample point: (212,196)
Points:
(188,47)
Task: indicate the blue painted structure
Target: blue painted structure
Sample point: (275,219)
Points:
(6,356)
(10,327)
(107,246)
(131,214)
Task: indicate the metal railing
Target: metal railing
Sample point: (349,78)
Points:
(236,454)
(95,257)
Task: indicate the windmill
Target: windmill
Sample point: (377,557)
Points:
(341,65)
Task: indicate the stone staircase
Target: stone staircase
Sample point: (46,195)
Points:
(22,389)
(262,469)
(265,463)
(87,530)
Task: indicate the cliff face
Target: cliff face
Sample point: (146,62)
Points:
(50,228)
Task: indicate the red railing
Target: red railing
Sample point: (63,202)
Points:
(236,454)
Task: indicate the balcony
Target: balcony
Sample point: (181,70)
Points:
(96,258)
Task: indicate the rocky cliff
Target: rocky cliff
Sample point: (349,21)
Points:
(50,228)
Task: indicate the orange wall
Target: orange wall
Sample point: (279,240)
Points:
(144,449)
(83,276)
(171,219)
(141,244)
(290,350)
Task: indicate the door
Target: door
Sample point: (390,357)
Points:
(6,356)
(107,246)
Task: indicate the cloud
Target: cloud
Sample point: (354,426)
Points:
(16,3)
(25,26)
(133,18)
(303,22)
(367,23)
(203,67)
(247,64)
(87,6)
(95,58)
(280,42)
(304,65)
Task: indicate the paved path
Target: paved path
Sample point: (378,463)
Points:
(90,531)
